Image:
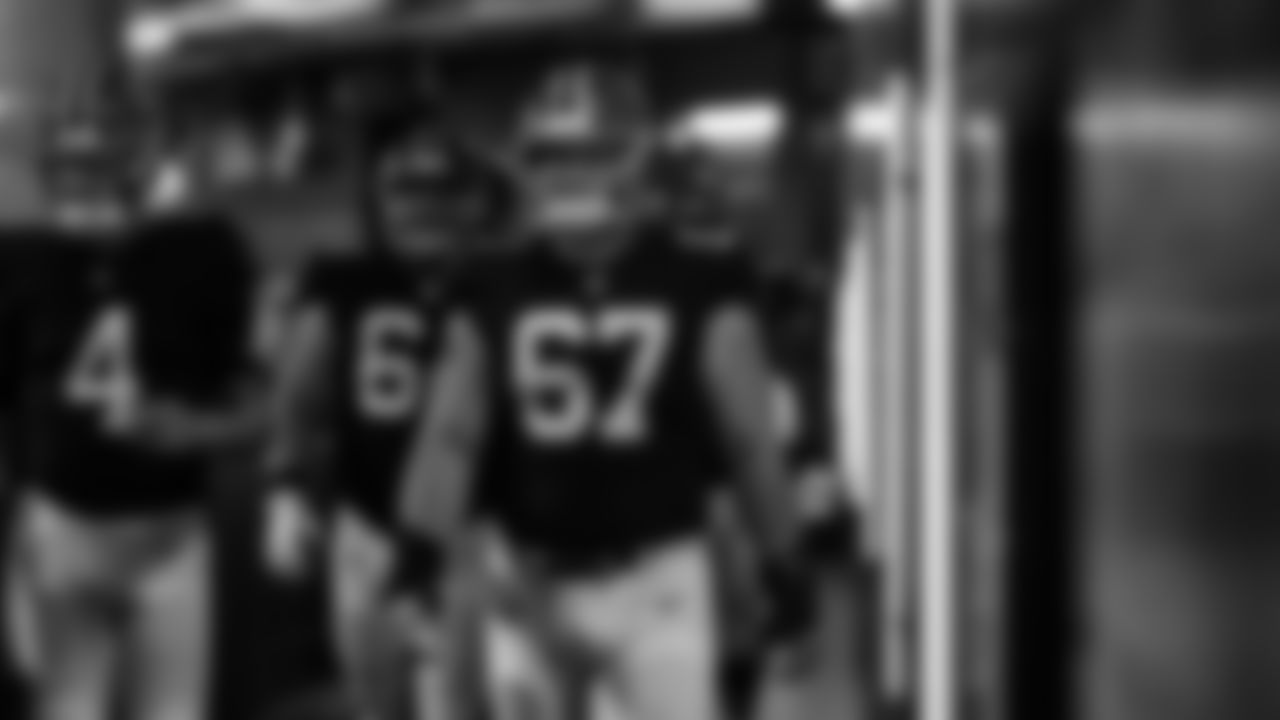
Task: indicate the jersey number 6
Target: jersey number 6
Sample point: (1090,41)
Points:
(103,377)
(389,380)
(559,403)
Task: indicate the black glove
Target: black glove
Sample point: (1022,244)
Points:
(419,571)
(791,601)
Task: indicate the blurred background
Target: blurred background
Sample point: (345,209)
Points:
(1171,125)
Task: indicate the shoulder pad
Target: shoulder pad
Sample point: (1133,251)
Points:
(484,275)
(320,275)
(203,238)
(19,246)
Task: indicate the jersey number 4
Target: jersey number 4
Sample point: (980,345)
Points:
(103,379)
(389,375)
(560,404)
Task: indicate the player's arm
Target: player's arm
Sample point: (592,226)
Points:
(739,379)
(243,318)
(297,387)
(242,418)
(737,373)
(174,425)
(437,488)
(271,333)
(248,413)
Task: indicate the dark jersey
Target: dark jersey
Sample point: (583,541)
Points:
(95,328)
(384,329)
(602,437)
(796,316)
(17,246)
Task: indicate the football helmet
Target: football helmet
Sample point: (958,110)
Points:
(425,188)
(582,149)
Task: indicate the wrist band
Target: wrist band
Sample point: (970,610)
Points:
(419,566)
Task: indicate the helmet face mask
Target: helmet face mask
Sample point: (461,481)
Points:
(580,186)
(582,153)
(88,179)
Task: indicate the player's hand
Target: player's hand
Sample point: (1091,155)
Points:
(792,613)
(821,493)
(292,535)
(792,601)
(167,426)
(417,625)
(419,571)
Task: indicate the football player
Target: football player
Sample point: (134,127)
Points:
(132,341)
(595,379)
(792,306)
(15,245)
(363,338)
(707,217)
(694,200)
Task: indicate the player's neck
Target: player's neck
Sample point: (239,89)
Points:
(420,253)
(599,250)
(717,239)
(92,226)
(94,236)
(428,264)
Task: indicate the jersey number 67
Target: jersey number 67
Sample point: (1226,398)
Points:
(559,403)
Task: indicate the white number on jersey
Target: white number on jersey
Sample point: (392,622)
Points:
(103,378)
(389,376)
(559,404)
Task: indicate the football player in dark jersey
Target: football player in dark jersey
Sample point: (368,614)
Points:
(796,302)
(693,196)
(695,192)
(593,384)
(132,341)
(15,619)
(363,337)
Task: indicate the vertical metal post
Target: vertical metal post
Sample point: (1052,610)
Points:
(941,274)
(1042,546)
(896,446)
(897,449)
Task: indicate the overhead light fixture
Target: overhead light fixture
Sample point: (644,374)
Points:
(855,8)
(1222,121)
(749,123)
(149,37)
(152,34)
(698,11)
(874,119)
(882,118)
(306,11)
